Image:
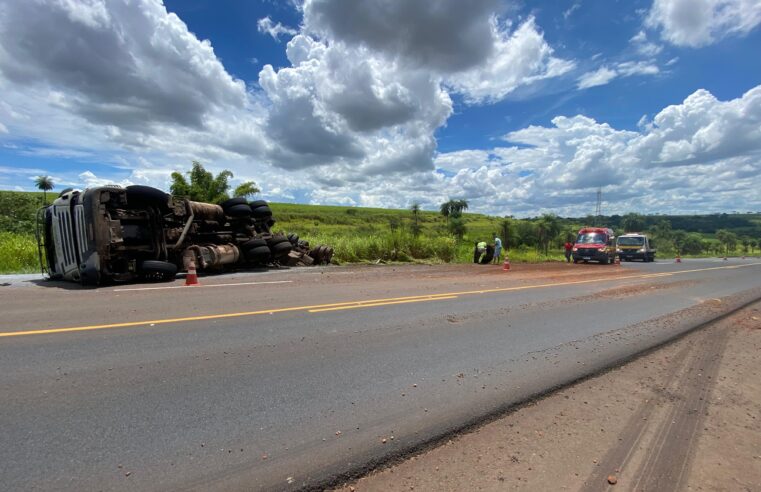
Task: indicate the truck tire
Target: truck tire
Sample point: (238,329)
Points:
(261,212)
(257,203)
(253,243)
(281,249)
(259,254)
(328,256)
(293,238)
(240,210)
(147,195)
(231,202)
(158,270)
(316,253)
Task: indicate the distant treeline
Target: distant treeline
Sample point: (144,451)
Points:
(741,224)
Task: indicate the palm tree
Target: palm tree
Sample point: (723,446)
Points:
(548,228)
(44,183)
(458,206)
(203,186)
(728,239)
(415,209)
(246,189)
(446,210)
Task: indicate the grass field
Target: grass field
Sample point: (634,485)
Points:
(369,234)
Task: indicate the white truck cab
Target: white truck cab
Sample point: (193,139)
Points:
(635,246)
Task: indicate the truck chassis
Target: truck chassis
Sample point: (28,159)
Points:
(113,234)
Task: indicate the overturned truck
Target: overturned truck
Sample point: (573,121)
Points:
(114,234)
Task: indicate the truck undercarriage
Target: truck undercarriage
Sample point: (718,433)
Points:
(114,234)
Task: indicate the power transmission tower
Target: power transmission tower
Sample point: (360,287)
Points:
(598,208)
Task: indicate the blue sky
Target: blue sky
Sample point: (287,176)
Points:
(519,107)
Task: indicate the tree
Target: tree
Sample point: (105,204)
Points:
(458,207)
(246,189)
(504,228)
(415,209)
(457,226)
(453,208)
(662,231)
(693,244)
(728,239)
(547,229)
(203,186)
(633,222)
(747,243)
(44,183)
(446,210)
(679,239)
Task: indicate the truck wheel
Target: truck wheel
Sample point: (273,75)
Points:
(231,202)
(158,270)
(261,212)
(281,250)
(257,203)
(328,256)
(259,254)
(253,243)
(240,210)
(147,195)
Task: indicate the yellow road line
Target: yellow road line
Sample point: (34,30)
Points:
(374,304)
(351,304)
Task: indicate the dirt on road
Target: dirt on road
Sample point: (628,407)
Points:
(684,417)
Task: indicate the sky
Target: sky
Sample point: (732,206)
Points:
(520,108)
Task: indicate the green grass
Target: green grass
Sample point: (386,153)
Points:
(18,253)
(369,234)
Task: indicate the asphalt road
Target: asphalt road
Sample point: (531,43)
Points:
(277,380)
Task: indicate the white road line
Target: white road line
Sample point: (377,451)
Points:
(202,286)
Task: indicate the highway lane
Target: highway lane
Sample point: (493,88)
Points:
(294,397)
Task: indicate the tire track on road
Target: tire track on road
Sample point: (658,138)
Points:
(659,439)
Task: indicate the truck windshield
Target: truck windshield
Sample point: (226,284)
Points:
(631,241)
(591,238)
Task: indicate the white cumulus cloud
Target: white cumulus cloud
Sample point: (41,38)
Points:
(518,59)
(696,23)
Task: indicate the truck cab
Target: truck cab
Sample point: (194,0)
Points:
(635,246)
(595,244)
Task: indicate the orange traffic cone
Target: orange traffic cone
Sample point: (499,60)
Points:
(192,277)
(506,264)
(678,258)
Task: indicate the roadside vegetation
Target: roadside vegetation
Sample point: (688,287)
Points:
(383,235)
(18,253)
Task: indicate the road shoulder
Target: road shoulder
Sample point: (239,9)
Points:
(684,417)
